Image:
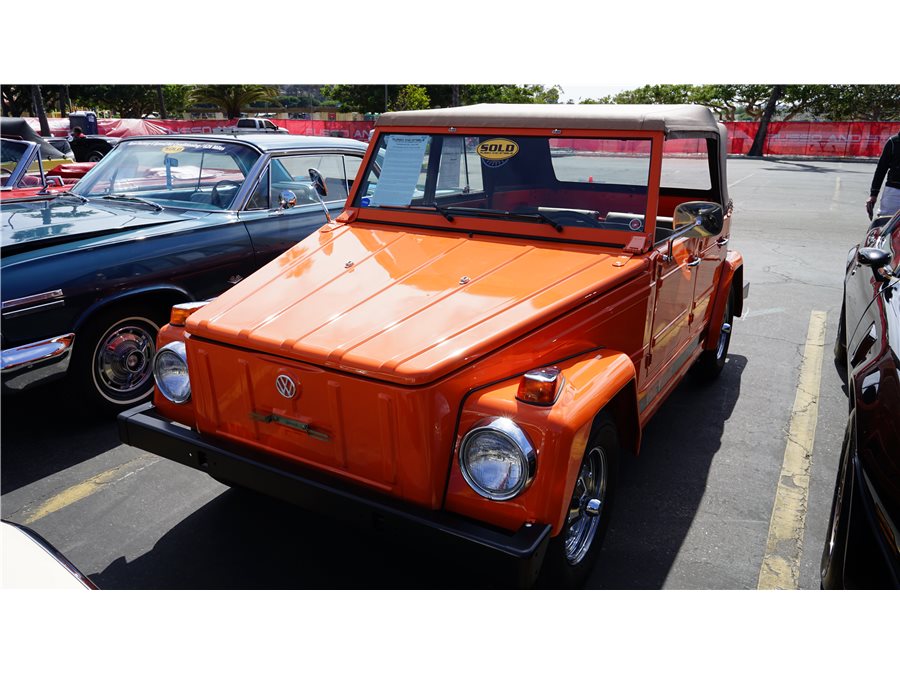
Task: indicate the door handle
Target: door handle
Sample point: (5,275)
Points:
(694,262)
(721,242)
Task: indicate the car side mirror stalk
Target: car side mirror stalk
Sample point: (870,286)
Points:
(321,189)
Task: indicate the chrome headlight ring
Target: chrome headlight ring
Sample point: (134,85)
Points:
(497,459)
(170,371)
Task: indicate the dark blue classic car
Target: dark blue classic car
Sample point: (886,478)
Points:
(89,276)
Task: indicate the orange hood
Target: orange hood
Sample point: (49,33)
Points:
(405,305)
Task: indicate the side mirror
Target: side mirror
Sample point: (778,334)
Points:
(287,199)
(873,257)
(705,218)
(318,182)
(878,260)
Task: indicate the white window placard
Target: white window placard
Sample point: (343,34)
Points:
(451,155)
(400,171)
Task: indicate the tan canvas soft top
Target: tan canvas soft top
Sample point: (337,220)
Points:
(671,119)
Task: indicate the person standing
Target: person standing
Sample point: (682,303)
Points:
(888,165)
(79,144)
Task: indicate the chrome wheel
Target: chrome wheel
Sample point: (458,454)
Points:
(724,333)
(586,506)
(123,360)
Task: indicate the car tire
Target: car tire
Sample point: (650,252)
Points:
(95,156)
(840,342)
(572,553)
(711,361)
(832,566)
(112,366)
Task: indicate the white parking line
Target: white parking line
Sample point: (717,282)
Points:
(781,562)
(740,180)
(834,197)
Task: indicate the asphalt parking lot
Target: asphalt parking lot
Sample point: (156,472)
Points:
(694,509)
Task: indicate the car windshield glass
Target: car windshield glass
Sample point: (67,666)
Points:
(12,154)
(568,182)
(172,173)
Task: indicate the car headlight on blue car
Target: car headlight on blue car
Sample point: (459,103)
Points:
(170,370)
(497,459)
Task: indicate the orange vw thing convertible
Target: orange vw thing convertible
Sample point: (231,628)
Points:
(508,296)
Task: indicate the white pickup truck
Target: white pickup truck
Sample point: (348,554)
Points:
(255,125)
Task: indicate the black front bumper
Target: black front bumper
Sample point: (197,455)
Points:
(143,427)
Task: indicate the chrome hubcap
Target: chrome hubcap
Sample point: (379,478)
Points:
(586,507)
(124,360)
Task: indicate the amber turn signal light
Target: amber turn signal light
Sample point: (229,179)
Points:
(181,312)
(541,386)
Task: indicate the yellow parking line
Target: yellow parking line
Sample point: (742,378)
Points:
(781,563)
(86,488)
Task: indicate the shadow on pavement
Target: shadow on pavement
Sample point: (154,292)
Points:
(44,431)
(660,490)
(787,165)
(244,540)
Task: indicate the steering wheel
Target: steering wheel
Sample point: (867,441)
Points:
(215,198)
(3,170)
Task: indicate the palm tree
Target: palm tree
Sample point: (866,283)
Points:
(37,101)
(231,98)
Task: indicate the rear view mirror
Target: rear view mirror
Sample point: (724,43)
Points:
(705,218)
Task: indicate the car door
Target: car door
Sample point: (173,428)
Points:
(706,256)
(275,228)
(688,173)
(670,331)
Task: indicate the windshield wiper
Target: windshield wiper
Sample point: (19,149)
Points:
(129,198)
(544,218)
(442,210)
(506,215)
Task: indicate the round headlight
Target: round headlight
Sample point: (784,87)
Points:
(170,371)
(497,459)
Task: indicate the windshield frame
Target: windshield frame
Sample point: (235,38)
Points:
(240,196)
(427,217)
(30,154)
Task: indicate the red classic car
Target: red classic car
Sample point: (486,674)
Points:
(24,175)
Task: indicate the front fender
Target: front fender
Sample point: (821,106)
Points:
(167,293)
(732,276)
(558,432)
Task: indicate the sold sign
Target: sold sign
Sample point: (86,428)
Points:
(495,149)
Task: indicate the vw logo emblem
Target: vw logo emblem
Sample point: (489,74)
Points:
(285,386)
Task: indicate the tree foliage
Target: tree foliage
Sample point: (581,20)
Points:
(732,102)
(232,98)
(871,102)
(378,97)
(412,97)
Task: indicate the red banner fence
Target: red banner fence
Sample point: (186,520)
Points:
(804,139)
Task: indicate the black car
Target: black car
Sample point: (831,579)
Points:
(862,548)
(89,276)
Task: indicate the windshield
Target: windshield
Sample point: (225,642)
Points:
(12,154)
(177,173)
(570,182)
